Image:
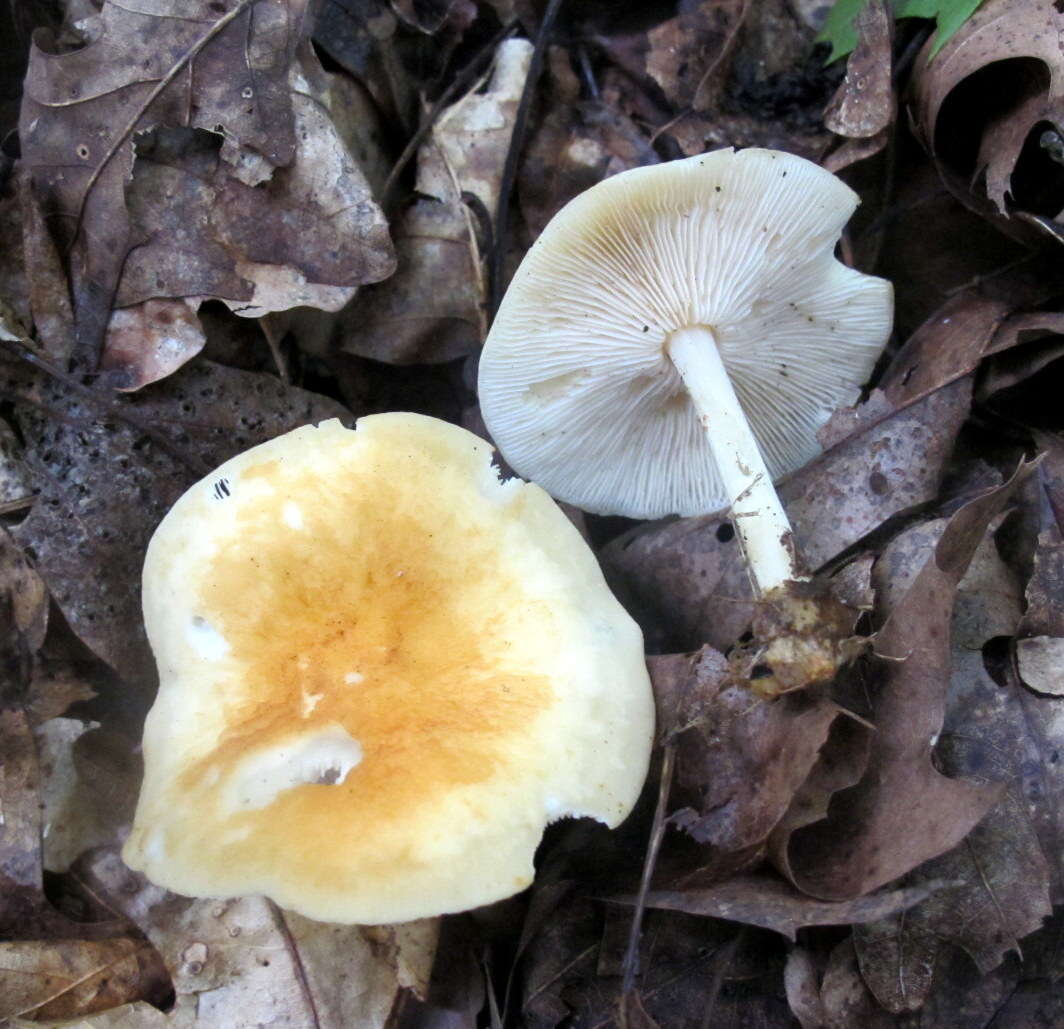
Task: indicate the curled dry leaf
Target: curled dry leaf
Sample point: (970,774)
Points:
(904,811)
(988,104)
(244,963)
(433,308)
(104,488)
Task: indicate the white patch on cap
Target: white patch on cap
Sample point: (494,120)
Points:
(309,702)
(291,515)
(205,639)
(322,757)
(353,678)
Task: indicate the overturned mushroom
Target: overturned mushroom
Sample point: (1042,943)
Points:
(676,337)
(383,672)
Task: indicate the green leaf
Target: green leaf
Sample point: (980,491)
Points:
(839,29)
(949,16)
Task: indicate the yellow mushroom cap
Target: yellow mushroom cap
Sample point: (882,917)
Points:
(382,672)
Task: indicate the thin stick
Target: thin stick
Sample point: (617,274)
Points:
(657,835)
(513,154)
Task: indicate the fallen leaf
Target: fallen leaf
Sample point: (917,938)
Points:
(23,619)
(46,980)
(687,55)
(863,105)
(904,811)
(89,782)
(998,878)
(433,308)
(981,99)
(105,487)
(181,150)
(771,903)
(1040,662)
(16,482)
(20,829)
(739,759)
(1044,615)
(25,913)
(146,342)
(577,143)
(81,109)
(307,235)
(572,973)
(802,983)
(847,1001)
(248,964)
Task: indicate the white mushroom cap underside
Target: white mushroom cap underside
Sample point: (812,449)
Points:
(383,672)
(576,387)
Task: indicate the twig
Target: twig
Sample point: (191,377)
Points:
(462,80)
(657,834)
(513,154)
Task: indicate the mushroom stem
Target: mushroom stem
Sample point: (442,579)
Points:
(762,524)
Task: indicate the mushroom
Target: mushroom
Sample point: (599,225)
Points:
(382,672)
(675,338)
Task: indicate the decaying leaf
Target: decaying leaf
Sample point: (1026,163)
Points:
(23,618)
(89,782)
(104,488)
(146,342)
(244,963)
(863,106)
(998,878)
(433,308)
(989,106)
(904,811)
(687,54)
(51,980)
(773,904)
(1040,663)
(177,151)
(739,759)
(577,143)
